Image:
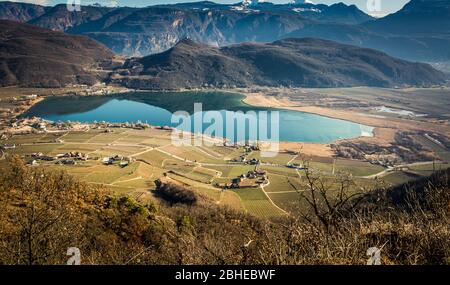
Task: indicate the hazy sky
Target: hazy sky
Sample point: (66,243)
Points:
(387,6)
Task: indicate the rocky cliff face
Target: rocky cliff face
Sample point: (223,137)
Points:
(20,12)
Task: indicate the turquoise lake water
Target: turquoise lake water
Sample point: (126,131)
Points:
(157,109)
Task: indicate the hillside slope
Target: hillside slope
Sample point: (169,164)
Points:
(290,62)
(32,56)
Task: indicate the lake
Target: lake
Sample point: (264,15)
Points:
(157,108)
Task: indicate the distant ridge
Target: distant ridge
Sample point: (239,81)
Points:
(289,62)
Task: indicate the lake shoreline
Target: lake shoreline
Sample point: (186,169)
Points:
(309,148)
(384,130)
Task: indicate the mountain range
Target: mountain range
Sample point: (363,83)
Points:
(36,57)
(204,44)
(419,32)
(289,62)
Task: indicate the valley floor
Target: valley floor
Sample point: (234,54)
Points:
(403,148)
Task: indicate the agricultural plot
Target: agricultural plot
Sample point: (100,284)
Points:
(25,139)
(75,147)
(212,193)
(233,170)
(211,152)
(33,148)
(106,138)
(200,177)
(207,171)
(428,169)
(137,183)
(182,153)
(179,166)
(288,201)
(119,150)
(256,203)
(209,192)
(221,180)
(108,174)
(156,142)
(353,167)
(141,170)
(191,171)
(357,168)
(154,157)
(279,183)
(262,208)
(280,170)
(224,151)
(120,190)
(132,139)
(79,171)
(399,177)
(79,136)
(51,137)
(191,153)
(231,199)
(326,168)
(279,159)
(202,174)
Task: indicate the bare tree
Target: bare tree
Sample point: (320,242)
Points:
(328,198)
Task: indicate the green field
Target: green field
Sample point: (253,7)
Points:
(232,171)
(280,159)
(280,170)
(287,201)
(256,202)
(79,136)
(428,169)
(279,183)
(399,177)
(28,149)
(154,157)
(353,167)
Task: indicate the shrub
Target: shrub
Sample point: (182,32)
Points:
(174,194)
